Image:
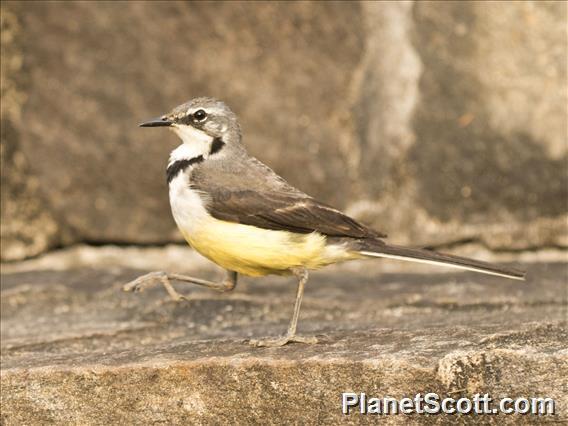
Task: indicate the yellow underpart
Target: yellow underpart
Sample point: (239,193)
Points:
(255,251)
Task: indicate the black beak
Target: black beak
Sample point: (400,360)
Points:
(157,122)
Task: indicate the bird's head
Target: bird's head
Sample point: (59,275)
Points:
(201,121)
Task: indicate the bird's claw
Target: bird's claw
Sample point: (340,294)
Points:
(149,280)
(275,343)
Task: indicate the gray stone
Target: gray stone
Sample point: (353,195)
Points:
(75,349)
(435,123)
(96,71)
(26,227)
(491,73)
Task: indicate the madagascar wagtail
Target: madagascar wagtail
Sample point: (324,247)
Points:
(241,215)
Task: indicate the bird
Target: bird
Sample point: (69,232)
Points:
(241,215)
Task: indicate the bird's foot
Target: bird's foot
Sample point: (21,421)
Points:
(275,343)
(150,280)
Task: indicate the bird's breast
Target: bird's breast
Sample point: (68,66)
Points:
(187,204)
(242,248)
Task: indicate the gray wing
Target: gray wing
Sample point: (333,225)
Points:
(249,192)
(284,212)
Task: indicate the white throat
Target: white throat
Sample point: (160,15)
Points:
(195,143)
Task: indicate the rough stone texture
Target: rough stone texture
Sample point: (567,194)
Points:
(474,159)
(433,122)
(75,349)
(116,64)
(26,227)
(491,75)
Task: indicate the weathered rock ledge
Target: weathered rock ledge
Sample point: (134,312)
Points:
(75,349)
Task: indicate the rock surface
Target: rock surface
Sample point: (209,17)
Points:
(434,123)
(27,227)
(75,349)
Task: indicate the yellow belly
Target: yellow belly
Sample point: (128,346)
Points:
(254,251)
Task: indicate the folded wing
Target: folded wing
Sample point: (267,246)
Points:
(284,211)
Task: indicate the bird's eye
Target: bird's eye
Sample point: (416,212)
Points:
(199,115)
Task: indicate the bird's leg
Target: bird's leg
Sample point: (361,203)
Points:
(302,275)
(164,278)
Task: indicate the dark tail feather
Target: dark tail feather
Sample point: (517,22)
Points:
(432,257)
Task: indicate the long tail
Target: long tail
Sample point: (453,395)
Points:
(434,258)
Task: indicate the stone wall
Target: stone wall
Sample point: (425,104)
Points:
(433,122)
